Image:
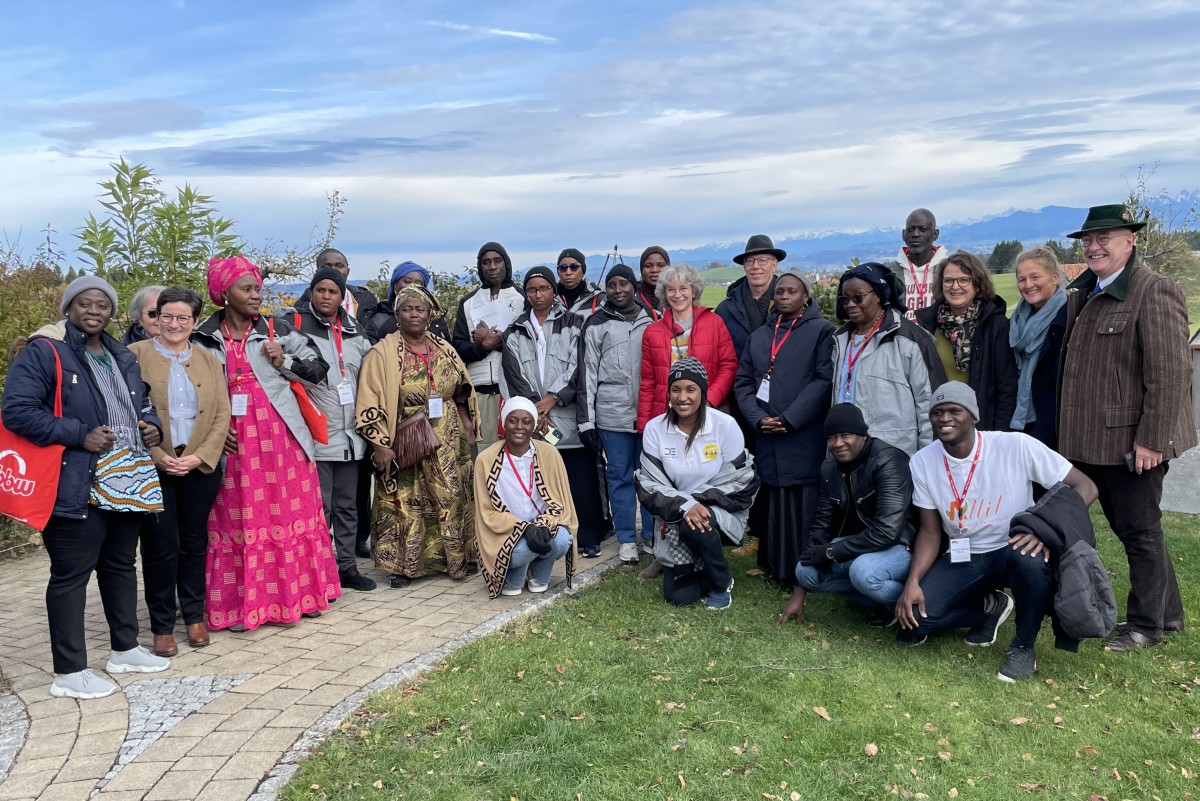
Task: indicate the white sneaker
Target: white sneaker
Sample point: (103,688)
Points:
(84,685)
(508,589)
(628,552)
(537,586)
(136,660)
(647,548)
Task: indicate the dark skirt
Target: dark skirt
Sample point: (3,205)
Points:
(789,517)
(581,466)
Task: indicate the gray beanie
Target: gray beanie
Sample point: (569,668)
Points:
(82,284)
(956,392)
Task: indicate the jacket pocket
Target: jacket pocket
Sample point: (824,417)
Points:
(1126,417)
(1112,325)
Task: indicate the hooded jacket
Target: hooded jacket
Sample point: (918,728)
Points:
(799,395)
(482,365)
(588,301)
(708,341)
(894,380)
(344,442)
(733,311)
(28,405)
(610,369)
(302,361)
(365,303)
(521,375)
(383,322)
(993,374)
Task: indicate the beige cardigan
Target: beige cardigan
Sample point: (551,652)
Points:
(212,392)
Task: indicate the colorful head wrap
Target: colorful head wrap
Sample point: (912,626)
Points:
(415,292)
(224,273)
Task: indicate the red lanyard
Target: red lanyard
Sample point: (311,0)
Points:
(920,286)
(852,357)
(960,497)
(654,313)
(337,344)
(776,343)
(426,358)
(237,350)
(526,488)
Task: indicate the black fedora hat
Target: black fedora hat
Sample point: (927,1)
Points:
(1102,218)
(760,243)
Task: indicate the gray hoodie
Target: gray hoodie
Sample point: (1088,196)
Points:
(610,369)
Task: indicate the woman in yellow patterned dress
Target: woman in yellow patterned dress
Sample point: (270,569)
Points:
(423,516)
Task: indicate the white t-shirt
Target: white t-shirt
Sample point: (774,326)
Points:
(718,442)
(514,474)
(1000,488)
(918,280)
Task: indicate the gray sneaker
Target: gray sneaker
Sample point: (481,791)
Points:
(997,606)
(1020,664)
(628,553)
(84,685)
(136,660)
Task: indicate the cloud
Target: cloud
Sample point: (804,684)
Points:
(85,123)
(528,37)
(263,156)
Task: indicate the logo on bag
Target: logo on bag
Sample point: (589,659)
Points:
(15,483)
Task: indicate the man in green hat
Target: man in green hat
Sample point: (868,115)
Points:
(1125,407)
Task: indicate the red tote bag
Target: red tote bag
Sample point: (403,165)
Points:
(29,473)
(314,418)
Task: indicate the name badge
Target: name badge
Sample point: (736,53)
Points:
(240,403)
(436,408)
(764,390)
(346,394)
(960,550)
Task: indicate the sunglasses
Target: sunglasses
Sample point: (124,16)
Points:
(854,300)
(568,266)
(152,314)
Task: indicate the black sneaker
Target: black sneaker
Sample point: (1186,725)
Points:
(997,606)
(882,618)
(362,550)
(356,581)
(1020,664)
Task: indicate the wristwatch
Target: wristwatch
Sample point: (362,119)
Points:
(829,554)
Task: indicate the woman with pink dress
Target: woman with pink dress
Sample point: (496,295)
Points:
(270,558)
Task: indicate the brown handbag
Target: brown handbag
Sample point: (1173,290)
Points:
(415,440)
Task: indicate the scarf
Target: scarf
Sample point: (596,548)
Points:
(959,329)
(569,296)
(756,310)
(1027,335)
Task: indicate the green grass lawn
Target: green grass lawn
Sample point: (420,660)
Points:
(616,695)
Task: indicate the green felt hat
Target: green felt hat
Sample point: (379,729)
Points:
(1102,218)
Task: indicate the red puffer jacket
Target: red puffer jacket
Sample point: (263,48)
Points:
(709,342)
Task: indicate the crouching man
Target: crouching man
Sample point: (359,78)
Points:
(967,485)
(862,532)
(524,516)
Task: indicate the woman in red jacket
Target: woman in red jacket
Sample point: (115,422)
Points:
(685,329)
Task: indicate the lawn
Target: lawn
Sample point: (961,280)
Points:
(615,695)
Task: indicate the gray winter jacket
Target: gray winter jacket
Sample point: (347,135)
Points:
(345,444)
(610,369)
(301,361)
(894,380)
(520,374)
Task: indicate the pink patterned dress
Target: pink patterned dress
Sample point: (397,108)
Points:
(270,558)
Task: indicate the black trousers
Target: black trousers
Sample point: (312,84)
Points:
(684,584)
(366,474)
(105,542)
(339,491)
(175,547)
(584,478)
(1131,505)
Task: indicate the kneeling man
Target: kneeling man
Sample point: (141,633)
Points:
(524,514)
(967,485)
(858,544)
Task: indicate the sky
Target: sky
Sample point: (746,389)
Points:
(545,124)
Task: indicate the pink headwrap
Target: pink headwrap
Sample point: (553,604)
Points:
(224,273)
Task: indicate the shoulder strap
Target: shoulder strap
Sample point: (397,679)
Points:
(57,379)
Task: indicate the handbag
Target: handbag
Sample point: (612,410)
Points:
(415,440)
(314,418)
(29,473)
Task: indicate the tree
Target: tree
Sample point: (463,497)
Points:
(1165,244)
(1003,255)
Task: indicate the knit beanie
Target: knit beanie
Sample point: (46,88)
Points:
(574,254)
(82,284)
(956,392)
(328,274)
(845,418)
(539,272)
(650,251)
(621,271)
(689,368)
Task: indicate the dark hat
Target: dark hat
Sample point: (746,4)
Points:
(650,251)
(621,271)
(1103,218)
(689,368)
(882,281)
(845,418)
(760,243)
(573,253)
(539,272)
(328,274)
(82,284)
(508,268)
(956,392)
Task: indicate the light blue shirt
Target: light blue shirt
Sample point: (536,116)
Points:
(182,400)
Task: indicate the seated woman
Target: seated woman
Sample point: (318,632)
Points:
(698,481)
(524,517)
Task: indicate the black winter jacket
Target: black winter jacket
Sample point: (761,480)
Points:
(733,311)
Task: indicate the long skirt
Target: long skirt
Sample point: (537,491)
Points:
(789,516)
(582,472)
(269,554)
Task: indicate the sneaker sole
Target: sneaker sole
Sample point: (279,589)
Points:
(111,668)
(1009,605)
(1014,680)
(59,692)
(539,590)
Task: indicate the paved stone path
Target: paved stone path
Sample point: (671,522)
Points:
(232,720)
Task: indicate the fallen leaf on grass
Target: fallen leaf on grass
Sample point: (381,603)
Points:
(377,784)
(1187,774)
(822,713)
(682,781)
(1098,797)
(1090,750)
(930,727)
(580,716)
(1019,721)
(1033,788)
(520,674)
(952,792)
(1116,774)
(754,571)
(794,796)
(945,756)
(871,749)
(560,669)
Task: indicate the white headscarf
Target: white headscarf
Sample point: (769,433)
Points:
(519,405)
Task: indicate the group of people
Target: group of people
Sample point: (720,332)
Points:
(256,458)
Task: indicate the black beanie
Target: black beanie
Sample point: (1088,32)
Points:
(650,251)
(328,274)
(689,368)
(621,271)
(574,254)
(845,418)
(539,272)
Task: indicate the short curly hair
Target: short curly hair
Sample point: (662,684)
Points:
(679,274)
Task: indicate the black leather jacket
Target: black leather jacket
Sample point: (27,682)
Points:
(881,487)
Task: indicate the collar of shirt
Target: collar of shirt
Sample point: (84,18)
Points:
(703,432)
(1104,283)
(170,354)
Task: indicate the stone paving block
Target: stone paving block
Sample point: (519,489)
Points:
(205,763)
(41,727)
(124,795)
(179,785)
(279,698)
(98,744)
(68,791)
(227,790)
(274,741)
(227,703)
(296,667)
(87,767)
(248,765)
(249,720)
(48,745)
(359,676)
(139,775)
(393,659)
(198,724)
(42,764)
(221,743)
(303,716)
(89,723)
(25,785)
(311,679)
(170,747)
(327,696)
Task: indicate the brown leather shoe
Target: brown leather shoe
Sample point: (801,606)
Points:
(197,634)
(652,572)
(1130,640)
(164,645)
(748,549)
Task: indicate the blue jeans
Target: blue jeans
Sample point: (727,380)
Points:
(525,561)
(872,579)
(623,451)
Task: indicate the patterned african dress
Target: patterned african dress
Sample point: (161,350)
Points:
(422,520)
(270,558)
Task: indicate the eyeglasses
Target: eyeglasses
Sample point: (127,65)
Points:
(152,313)
(765,261)
(964,281)
(854,300)
(172,319)
(1101,239)
(569,266)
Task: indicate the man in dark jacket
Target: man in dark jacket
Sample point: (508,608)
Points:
(858,544)
(358,301)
